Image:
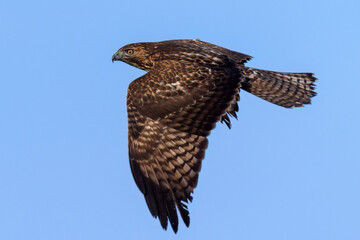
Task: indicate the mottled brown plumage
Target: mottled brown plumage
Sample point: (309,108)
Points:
(190,85)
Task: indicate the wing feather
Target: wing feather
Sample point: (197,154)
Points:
(169,119)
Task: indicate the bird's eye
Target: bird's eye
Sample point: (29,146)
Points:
(130,51)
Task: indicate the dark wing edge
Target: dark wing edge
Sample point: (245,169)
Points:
(165,164)
(237,57)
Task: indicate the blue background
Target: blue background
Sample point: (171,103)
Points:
(278,174)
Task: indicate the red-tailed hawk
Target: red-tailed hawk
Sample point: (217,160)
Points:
(189,86)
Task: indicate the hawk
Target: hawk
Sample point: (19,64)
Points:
(189,86)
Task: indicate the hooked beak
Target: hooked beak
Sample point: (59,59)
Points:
(117,56)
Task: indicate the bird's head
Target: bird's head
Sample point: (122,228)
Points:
(136,54)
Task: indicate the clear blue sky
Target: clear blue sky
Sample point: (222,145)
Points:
(278,174)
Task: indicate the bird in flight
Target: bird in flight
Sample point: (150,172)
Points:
(189,86)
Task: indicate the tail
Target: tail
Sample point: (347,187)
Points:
(284,89)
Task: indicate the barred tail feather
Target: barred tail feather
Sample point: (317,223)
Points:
(284,89)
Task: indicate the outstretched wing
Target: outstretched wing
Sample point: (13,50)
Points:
(171,110)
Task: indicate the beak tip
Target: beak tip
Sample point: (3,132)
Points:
(117,56)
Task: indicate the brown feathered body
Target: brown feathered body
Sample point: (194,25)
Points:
(189,86)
